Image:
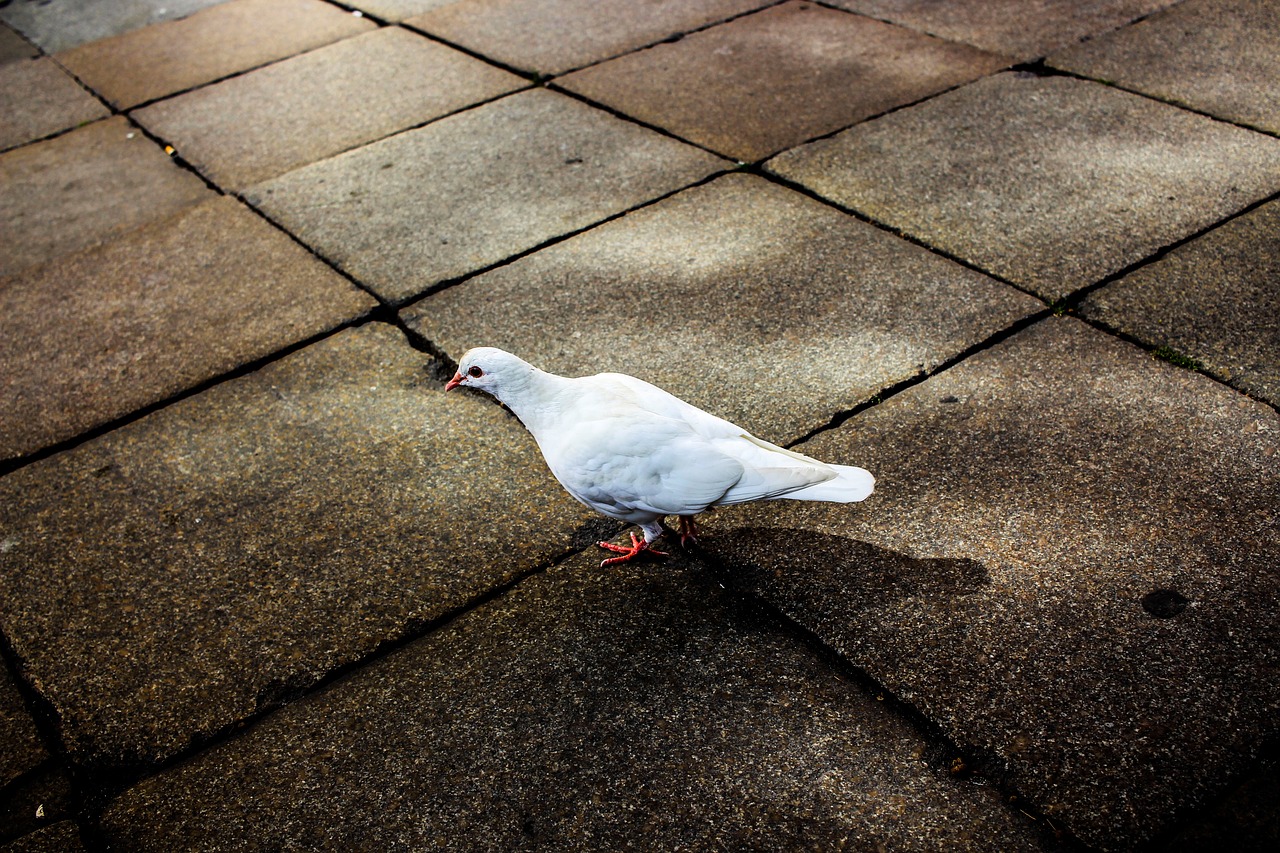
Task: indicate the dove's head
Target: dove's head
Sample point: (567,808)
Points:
(491,369)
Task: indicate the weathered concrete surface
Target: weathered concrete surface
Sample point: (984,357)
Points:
(13,47)
(1014,27)
(104,332)
(1103,626)
(554,36)
(259,125)
(61,837)
(59,26)
(85,186)
(1049,182)
(22,747)
(743,297)
(397,10)
(503,178)
(37,99)
(1218,56)
(1215,299)
(776,78)
(589,709)
(169,57)
(178,574)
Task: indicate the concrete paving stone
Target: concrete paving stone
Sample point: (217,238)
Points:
(1218,56)
(60,26)
(61,837)
(14,48)
(37,98)
(773,79)
(397,10)
(257,126)
(84,187)
(554,36)
(587,709)
(1027,30)
(170,57)
(1215,299)
(1245,820)
(22,747)
(1100,623)
(1050,182)
(104,332)
(503,178)
(743,297)
(176,575)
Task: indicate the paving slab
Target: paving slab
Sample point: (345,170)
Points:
(1027,30)
(104,332)
(83,187)
(257,126)
(553,36)
(62,837)
(503,178)
(1050,182)
(743,297)
(1218,56)
(1215,300)
(397,10)
(60,26)
(181,573)
(14,48)
(587,709)
(41,797)
(1103,629)
(22,747)
(172,56)
(771,80)
(37,99)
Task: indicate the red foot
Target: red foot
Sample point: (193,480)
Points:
(638,547)
(688,530)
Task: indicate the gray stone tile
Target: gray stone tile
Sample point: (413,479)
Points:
(397,10)
(59,26)
(102,333)
(38,98)
(1015,27)
(586,709)
(1218,56)
(773,79)
(257,126)
(176,575)
(1043,512)
(62,837)
(503,178)
(745,298)
(169,57)
(83,187)
(1215,299)
(13,47)
(23,748)
(1050,182)
(554,36)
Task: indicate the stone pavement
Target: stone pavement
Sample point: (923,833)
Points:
(264,585)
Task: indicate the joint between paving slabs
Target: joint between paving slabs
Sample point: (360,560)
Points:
(958,762)
(445,284)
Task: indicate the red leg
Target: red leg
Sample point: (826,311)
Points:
(688,530)
(638,547)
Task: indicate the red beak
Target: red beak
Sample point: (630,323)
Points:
(454,382)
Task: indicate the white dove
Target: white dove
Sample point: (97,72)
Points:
(633,452)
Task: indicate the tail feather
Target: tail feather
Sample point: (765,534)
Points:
(852,484)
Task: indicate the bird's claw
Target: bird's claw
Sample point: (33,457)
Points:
(688,531)
(638,547)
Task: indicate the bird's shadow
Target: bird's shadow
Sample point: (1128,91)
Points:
(847,574)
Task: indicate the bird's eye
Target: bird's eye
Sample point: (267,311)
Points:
(474,371)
